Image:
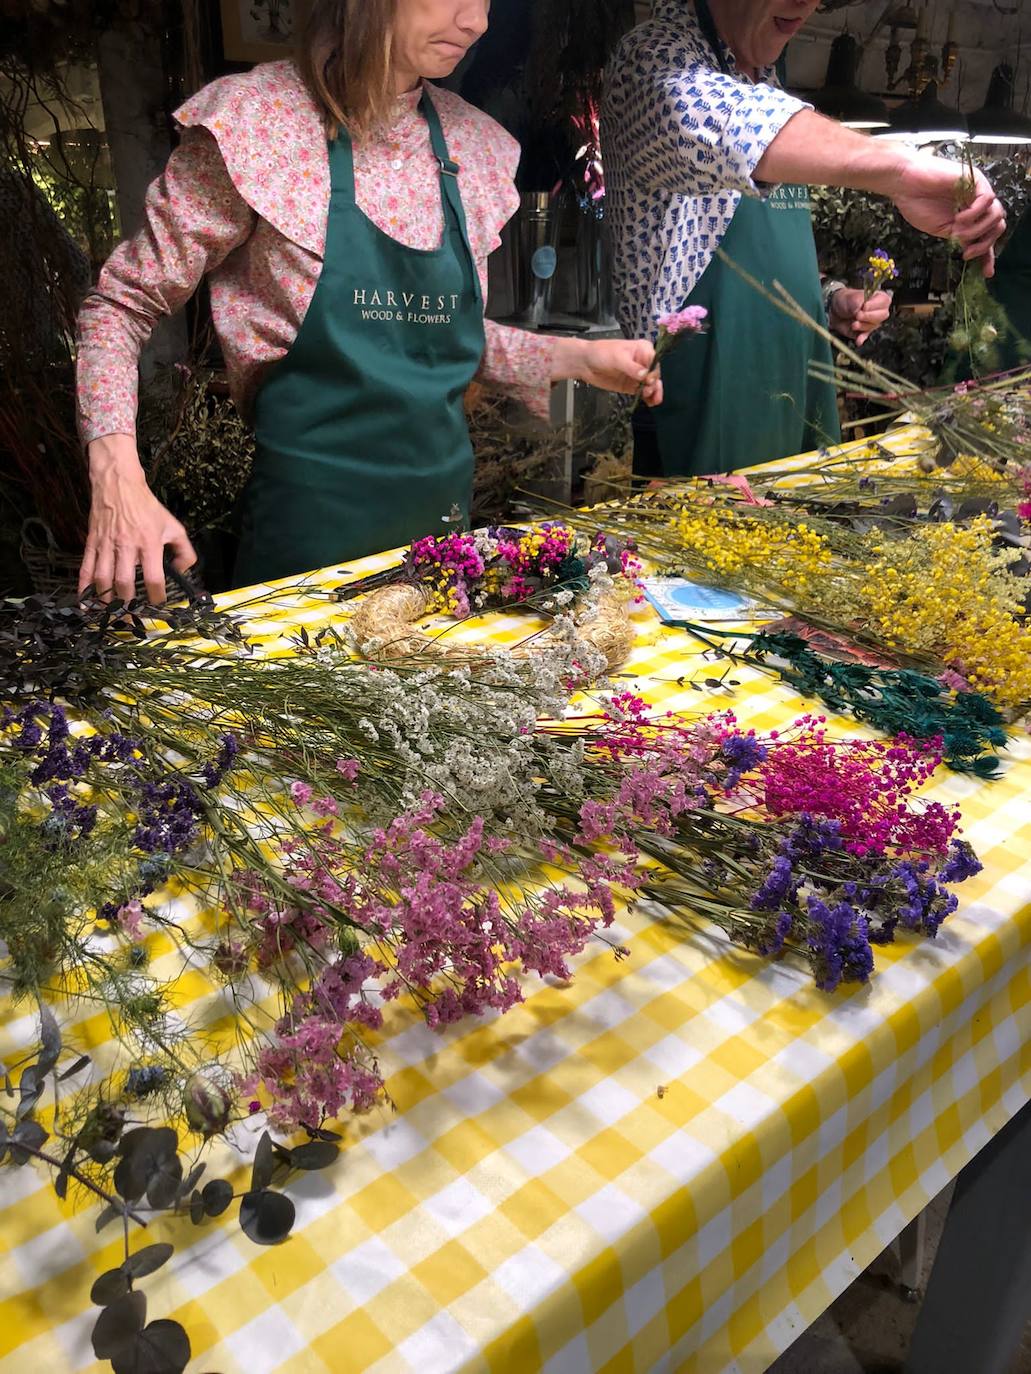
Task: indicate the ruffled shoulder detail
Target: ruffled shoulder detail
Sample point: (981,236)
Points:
(488,157)
(272,142)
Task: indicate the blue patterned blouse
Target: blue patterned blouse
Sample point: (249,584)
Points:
(680,141)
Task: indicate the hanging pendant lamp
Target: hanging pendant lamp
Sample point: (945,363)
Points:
(927,120)
(997,121)
(840,96)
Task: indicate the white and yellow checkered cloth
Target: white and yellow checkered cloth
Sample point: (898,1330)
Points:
(674,1164)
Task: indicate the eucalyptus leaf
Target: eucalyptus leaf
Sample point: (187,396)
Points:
(217,1196)
(102,1151)
(149,1164)
(266,1217)
(30,1089)
(130,1176)
(148,1260)
(109,1287)
(118,1325)
(974,506)
(81,1063)
(191,1180)
(163,1183)
(1009,529)
(317,1154)
(197,1209)
(49,1038)
(29,1133)
(264,1163)
(281,1154)
(162,1347)
(320,1133)
(904,504)
(109,1214)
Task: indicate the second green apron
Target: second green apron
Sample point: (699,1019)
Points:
(741,393)
(361,437)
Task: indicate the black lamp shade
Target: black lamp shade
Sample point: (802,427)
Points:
(928,120)
(840,97)
(996,121)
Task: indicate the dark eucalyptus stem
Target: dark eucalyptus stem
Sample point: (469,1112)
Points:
(112,1201)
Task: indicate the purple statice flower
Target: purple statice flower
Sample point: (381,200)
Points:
(337,994)
(58,730)
(839,943)
(68,820)
(213,773)
(742,753)
(961,864)
(806,840)
(925,902)
(117,748)
(31,732)
(813,836)
(169,817)
(779,886)
(59,757)
(774,934)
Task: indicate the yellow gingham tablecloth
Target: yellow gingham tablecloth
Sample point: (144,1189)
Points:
(674,1164)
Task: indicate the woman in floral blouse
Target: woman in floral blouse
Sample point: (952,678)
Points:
(343,211)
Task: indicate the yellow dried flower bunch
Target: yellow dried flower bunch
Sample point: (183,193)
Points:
(730,544)
(947,591)
(971,467)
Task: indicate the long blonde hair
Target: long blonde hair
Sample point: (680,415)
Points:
(346,60)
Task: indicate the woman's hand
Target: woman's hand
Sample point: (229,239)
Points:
(626,366)
(854,317)
(129,528)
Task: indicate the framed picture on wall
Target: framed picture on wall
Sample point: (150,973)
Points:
(260,30)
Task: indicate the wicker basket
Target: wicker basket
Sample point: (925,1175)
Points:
(53,572)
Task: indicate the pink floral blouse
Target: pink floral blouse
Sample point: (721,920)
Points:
(244,199)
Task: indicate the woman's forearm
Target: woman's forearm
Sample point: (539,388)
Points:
(114,458)
(520,363)
(569,359)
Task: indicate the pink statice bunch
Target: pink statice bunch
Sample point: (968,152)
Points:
(690,320)
(410,913)
(307,1076)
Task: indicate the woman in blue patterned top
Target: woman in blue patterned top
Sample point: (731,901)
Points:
(704,151)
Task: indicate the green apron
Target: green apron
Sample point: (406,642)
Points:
(741,393)
(361,437)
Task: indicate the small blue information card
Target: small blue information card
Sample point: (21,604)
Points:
(679,600)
